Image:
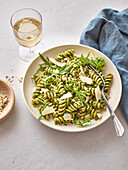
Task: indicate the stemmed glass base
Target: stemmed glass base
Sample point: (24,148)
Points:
(27,54)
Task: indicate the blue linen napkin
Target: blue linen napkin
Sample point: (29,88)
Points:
(108,33)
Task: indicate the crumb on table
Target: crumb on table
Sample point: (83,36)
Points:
(20,79)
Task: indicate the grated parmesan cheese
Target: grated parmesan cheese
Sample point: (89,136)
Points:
(67,116)
(87,123)
(48,110)
(85,88)
(57,62)
(66,96)
(87,98)
(97,93)
(43,90)
(56,71)
(86,79)
(99,115)
(82,71)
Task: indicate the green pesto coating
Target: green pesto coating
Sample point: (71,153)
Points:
(67,80)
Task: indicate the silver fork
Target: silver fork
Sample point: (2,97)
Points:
(118,126)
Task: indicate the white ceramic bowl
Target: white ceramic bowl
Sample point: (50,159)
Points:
(115,92)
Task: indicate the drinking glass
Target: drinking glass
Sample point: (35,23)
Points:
(27,28)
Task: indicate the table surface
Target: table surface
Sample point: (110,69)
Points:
(25,143)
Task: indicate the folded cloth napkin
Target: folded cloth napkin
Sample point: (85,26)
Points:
(108,33)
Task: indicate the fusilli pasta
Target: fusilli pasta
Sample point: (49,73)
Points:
(70,89)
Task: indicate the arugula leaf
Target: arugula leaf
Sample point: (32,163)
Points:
(39,118)
(86,120)
(82,123)
(54,66)
(46,84)
(45,60)
(97,62)
(39,69)
(58,80)
(61,68)
(68,67)
(80,96)
(62,71)
(100,63)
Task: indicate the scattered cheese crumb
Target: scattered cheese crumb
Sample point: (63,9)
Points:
(9,79)
(20,79)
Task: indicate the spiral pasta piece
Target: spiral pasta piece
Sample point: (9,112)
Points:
(91,91)
(95,77)
(60,119)
(73,106)
(80,85)
(36,78)
(36,102)
(61,88)
(95,104)
(108,80)
(61,107)
(48,95)
(48,70)
(67,54)
(47,117)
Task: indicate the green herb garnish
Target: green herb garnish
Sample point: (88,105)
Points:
(97,62)
(82,123)
(46,60)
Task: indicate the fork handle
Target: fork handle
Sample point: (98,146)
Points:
(117,124)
